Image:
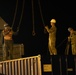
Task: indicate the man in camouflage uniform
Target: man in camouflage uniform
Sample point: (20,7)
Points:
(8,42)
(72,39)
(52,37)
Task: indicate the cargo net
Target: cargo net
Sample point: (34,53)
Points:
(22,66)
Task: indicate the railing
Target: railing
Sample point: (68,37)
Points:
(22,66)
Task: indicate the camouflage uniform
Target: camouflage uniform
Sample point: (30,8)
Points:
(8,45)
(52,40)
(8,49)
(73,42)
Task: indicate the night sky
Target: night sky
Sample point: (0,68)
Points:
(63,12)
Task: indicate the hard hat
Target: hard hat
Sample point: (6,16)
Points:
(53,21)
(5,25)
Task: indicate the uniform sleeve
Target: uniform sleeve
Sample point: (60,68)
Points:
(51,30)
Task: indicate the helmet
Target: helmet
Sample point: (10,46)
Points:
(5,25)
(70,28)
(53,21)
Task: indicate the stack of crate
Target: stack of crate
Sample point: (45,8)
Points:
(18,51)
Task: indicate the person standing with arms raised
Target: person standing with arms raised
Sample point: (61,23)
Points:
(52,37)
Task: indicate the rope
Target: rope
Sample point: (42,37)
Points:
(62,42)
(21,14)
(41,15)
(33,32)
(15,13)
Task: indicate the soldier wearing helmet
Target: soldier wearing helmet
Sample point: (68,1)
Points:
(72,40)
(8,42)
(52,37)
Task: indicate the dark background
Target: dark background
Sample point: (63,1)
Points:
(62,11)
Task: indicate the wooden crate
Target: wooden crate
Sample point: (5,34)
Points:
(18,51)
